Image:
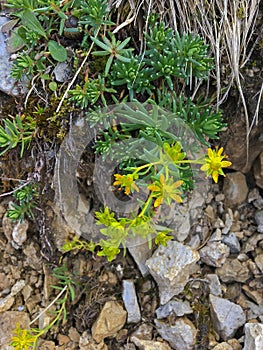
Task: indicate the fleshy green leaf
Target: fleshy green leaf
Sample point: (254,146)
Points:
(30,21)
(58,52)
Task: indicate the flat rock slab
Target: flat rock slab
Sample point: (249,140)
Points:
(171,267)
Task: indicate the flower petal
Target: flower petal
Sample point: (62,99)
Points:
(154,188)
(225,163)
(215,176)
(158,202)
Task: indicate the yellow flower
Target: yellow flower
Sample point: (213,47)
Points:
(214,163)
(23,339)
(126,181)
(165,191)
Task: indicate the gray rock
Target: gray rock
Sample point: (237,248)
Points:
(214,284)
(130,302)
(232,242)
(252,310)
(8,84)
(140,252)
(182,217)
(62,71)
(178,217)
(181,335)
(171,267)
(259,220)
(227,316)
(228,222)
(235,189)
(234,271)
(175,307)
(253,336)
(7,302)
(214,253)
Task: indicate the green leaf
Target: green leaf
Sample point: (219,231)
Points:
(53,86)
(123,44)
(30,21)
(108,64)
(102,45)
(58,52)
(14,42)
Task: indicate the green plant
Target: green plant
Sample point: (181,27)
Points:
(25,195)
(135,74)
(24,339)
(92,15)
(176,56)
(92,90)
(18,130)
(199,115)
(114,48)
(25,65)
(164,187)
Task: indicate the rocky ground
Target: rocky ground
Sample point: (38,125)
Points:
(203,291)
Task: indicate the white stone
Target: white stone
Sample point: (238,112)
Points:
(214,284)
(19,233)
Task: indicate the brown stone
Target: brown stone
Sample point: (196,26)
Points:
(258,170)
(235,189)
(47,345)
(111,319)
(63,339)
(236,146)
